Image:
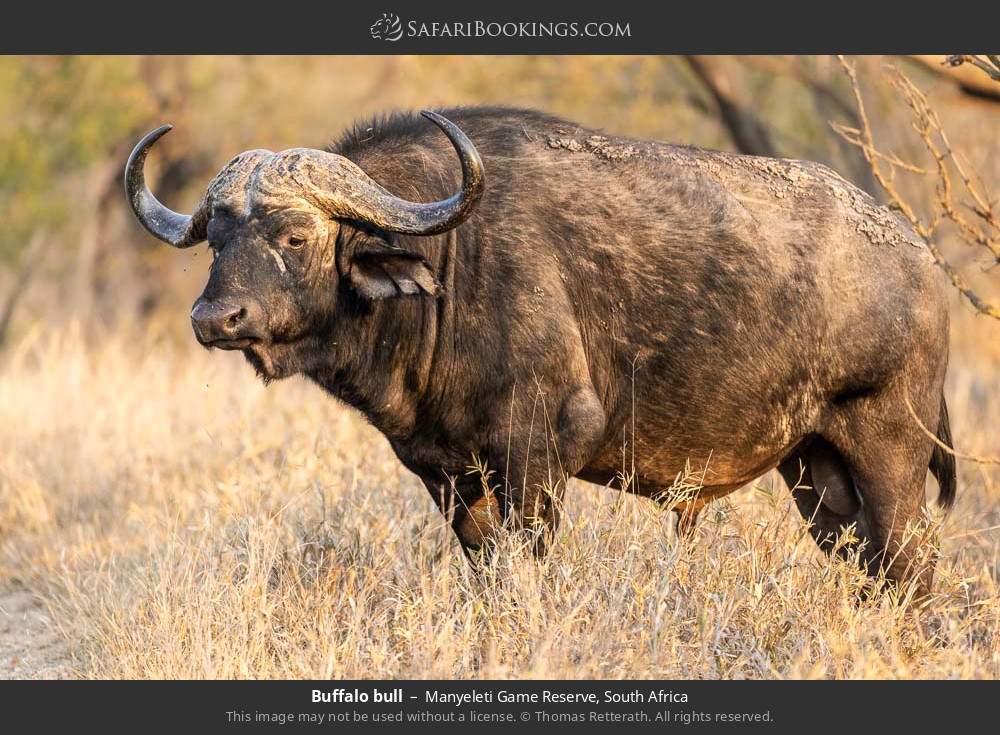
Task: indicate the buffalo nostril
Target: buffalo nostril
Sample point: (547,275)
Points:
(233,320)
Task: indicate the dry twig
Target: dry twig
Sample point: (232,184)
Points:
(933,437)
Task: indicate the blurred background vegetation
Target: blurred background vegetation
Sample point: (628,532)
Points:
(70,250)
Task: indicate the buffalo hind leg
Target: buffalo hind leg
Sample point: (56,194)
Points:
(888,455)
(870,474)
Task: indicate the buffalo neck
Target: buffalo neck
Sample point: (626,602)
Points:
(387,358)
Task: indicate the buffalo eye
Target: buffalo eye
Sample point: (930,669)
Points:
(296,242)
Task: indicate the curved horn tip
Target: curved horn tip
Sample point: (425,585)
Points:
(162,129)
(154,135)
(139,152)
(440,120)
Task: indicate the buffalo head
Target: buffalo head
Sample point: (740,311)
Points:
(283,230)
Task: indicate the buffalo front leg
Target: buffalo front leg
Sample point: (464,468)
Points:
(480,512)
(687,517)
(473,510)
(520,487)
(554,442)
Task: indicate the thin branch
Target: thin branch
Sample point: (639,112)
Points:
(852,136)
(975,83)
(991,65)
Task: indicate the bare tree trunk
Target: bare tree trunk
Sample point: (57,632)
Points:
(829,105)
(27,267)
(89,246)
(747,132)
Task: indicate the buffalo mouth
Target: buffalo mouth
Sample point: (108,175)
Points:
(242,343)
(257,351)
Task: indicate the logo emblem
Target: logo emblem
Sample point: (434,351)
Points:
(387,28)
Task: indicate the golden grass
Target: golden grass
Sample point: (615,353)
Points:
(180,520)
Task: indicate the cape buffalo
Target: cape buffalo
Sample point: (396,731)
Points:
(571,302)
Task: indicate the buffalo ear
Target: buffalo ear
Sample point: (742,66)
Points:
(377,268)
(385,275)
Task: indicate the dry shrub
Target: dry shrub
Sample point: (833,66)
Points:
(962,208)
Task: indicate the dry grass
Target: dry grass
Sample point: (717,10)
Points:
(180,520)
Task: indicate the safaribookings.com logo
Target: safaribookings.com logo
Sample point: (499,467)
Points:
(387,28)
(390,28)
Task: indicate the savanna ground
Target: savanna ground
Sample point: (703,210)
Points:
(162,514)
(165,515)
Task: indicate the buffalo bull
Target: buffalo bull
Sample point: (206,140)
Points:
(567,296)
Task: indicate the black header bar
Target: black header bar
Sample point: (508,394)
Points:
(449,27)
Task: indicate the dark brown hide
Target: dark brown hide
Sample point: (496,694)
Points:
(614,302)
